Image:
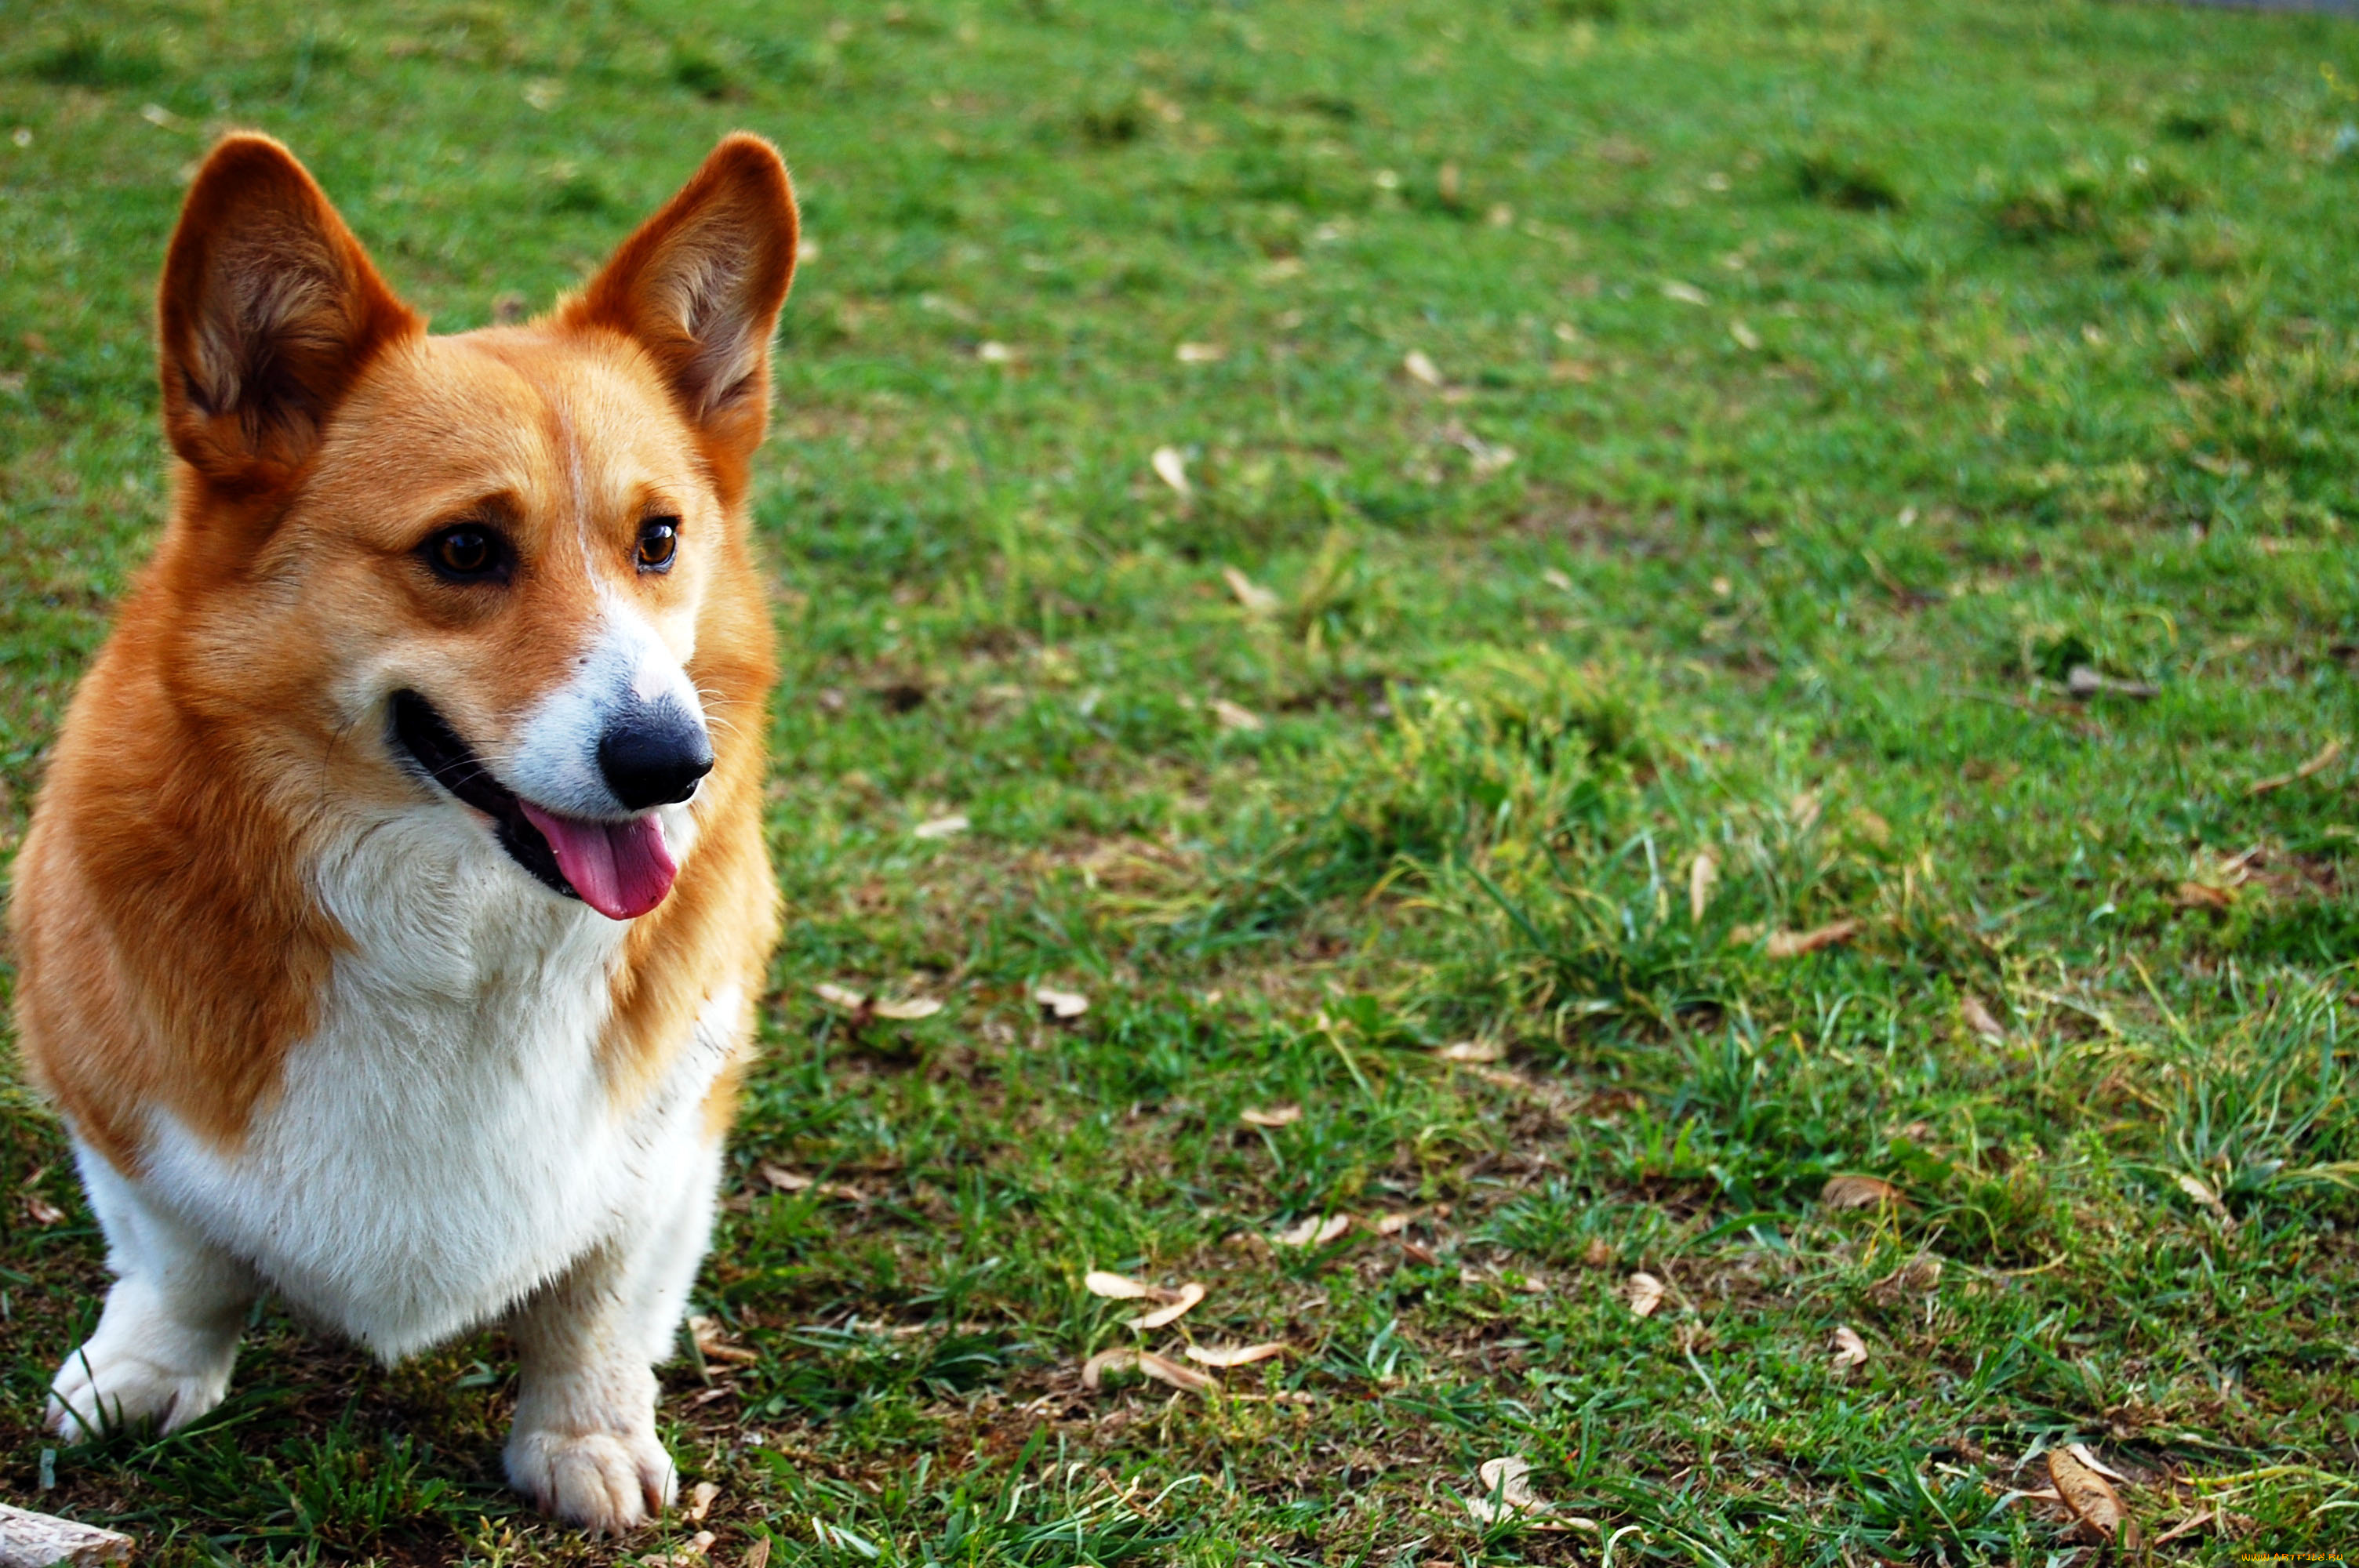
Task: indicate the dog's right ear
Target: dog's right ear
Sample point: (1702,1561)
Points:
(267,313)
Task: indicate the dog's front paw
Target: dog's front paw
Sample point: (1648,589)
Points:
(103,1387)
(604,1482)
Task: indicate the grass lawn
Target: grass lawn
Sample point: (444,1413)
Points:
(1726,701)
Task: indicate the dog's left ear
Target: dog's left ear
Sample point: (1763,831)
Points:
(698,287)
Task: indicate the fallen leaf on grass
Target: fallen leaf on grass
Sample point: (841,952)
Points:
(1702,872)
(711,1342)
(908,1009)
(1200,353)
(1420,368)
(2203,895)
(1747,337)
(994,353)
(864,1006)
(1858,1192)
(949,826)
(1094,1370)
(1794,944)
(1850,1350)
(1391,1224)
(1172,467)
(758,1554)
(1278,1116)
(42,1210)
(1060,1005)
(2200,1191)
(1115,1287)
(1227,1356)
(1256,598)
(1476,1053)
(1980,1020)
(1172,1312)
(1646,1294)
(787,1181)
(1507,1492)
(1315,1231)
(1685,292)
(1235,717)
(2317,764)
(2088,1495)
(699,1502)
(2085,681)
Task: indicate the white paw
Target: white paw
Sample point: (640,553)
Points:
(604,1482)
(102,1387)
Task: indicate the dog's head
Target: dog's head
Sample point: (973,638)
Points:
(475,565)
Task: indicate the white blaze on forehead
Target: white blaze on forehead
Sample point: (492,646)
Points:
(553,756)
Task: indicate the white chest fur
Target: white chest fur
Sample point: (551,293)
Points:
(445,1142)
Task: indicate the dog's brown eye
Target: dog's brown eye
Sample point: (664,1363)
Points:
(658,542)
(469,553)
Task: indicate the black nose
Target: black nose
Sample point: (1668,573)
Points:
(654,756)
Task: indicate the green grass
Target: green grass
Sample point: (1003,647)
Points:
(1866,369)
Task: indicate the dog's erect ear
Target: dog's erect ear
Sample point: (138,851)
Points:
(267,313)
(699,285)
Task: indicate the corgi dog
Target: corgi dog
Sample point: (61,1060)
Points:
(396,904)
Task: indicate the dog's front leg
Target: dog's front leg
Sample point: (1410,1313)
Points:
(167,1338)
(584,1446)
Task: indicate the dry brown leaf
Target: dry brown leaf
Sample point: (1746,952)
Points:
(1315,1231)
(1172,1372)
(42,1210)
(1420,368)
(1227,1356)
(1235,715)
(699,1502)
(1702,872)
(1200,353)
(1858,1192)
(1794,944)
(1060,1005)
(1646,1293)
(1805,809)
(1850,1349)
(1390,1224)
(1256,599)
(2317,764)
(1507,1492)
(786,1181)
(1115,1287)
(1980,1019)
(1685,292)
(906,1010)
(1120,1359)
(1477,1051)
(1598,1254)
(949,826)
(992,352)
(1177,1308)
(712,1344)
(758,1554)
(2203,895)
(2200,1191)
(2089,1497)
(1277,1116)
(844,997)
(1172,467)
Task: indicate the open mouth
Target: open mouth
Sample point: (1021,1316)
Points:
(622,870)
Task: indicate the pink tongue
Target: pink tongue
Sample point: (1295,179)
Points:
(622,870)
